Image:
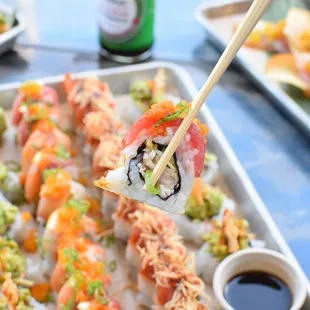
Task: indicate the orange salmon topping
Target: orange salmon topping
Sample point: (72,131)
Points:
(30,244)
(57,185)
(40,291)
(26,216)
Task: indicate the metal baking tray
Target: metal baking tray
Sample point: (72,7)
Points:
(232,176)
(8,38)
(218,17)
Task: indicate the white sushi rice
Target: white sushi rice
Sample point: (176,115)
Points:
(38,269)
(109,202)
(36,305)
(206,263)
(20,229)
(117,179)
(190,230)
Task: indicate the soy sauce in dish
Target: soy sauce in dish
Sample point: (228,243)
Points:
(257,291)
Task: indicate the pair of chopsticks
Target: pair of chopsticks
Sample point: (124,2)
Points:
(254,14)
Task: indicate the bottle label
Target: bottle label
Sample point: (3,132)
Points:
(120,20)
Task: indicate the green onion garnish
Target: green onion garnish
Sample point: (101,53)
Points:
(62,152)
(182,107)
(148,183)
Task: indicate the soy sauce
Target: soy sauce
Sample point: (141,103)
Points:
(257,291)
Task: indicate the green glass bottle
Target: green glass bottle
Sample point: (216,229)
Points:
(126,29)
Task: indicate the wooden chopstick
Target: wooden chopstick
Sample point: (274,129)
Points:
(254,14)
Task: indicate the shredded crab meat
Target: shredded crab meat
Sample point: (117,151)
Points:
(107,154)
(88,92)
(153,226)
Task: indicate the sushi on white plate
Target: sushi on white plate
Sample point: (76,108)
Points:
(211,168)
(143,146)
(206,203)
(228,236)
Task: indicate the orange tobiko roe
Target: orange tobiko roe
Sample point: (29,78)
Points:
(30,244)
(40,291)
(57,185)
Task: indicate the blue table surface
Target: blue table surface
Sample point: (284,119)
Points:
(62,37)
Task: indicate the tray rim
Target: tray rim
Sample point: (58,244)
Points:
(284,101)
(14,31)
(187,80)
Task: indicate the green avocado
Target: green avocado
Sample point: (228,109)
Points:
(11,258)
(8,215)
(211,206)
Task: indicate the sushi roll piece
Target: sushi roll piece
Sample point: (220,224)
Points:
(211,168)
(45,137)
(98,125)
(227,237)
(82,250)
(54,193)
(48,158)
(147,226)
(143,146)
(146,93)
(88,95)
(10,185)
(3,122)
(205,203)
(109,203)
(167,277)
(36,116)
(107,155)
(122,220)
(32,93)
(71,219)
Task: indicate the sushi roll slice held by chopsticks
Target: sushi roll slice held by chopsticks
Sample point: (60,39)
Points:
(143,146)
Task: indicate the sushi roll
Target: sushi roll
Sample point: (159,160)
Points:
(122,218)
(205,203)
(211,168)
(68,249)
(147,226)
(71,219)
(144,144)
(97,126)
(227,237)
(32,93)
(167,277)
(55,192)
(106,155)
(86,96)
(146,93)
(36,116)
(44,137)
(47,159)
(10,185)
